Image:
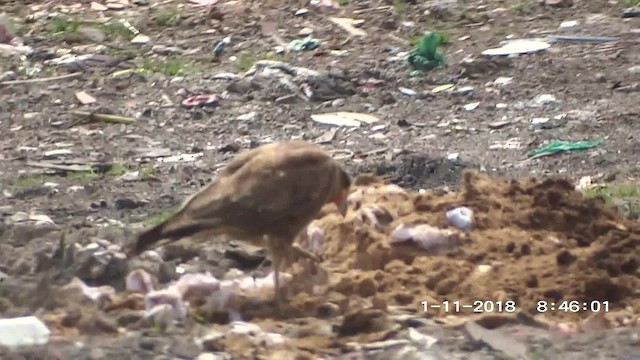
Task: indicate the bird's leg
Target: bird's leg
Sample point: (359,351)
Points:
(275,247)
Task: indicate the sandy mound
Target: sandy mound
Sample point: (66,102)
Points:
(538,240)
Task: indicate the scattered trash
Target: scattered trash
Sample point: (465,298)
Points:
(628,88)
(344,119)
(472,106)
(429,238)
(180,158)
(595,39)
(516,47)
(23,331)
(349,25)
(631,12)
(97,294)
(208,100)
(219,46)
(464,91)
(85,98)
(426,56)
(407,91)
(442,88)
(308,43)
(510,144)
(461,218)
(204,2)
(141,39)
(563,146)
(569,24)
(502,81)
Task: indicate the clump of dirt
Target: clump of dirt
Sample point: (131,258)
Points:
(538,239)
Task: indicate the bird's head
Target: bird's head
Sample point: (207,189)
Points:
(342,191)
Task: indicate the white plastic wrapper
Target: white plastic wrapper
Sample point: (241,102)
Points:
(429,238)
(461,218)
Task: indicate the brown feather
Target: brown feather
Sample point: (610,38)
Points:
(273,190)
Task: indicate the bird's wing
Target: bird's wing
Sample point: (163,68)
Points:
(271,186)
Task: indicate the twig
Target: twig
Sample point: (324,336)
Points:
(108,118)
(39,80)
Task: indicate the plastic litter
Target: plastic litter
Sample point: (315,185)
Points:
(520,46)
(23,331)
(461,218)
(308,43)
(426,56)
(562,146)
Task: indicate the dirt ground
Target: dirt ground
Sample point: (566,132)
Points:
(534,238)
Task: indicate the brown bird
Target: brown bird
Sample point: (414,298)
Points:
(270,193)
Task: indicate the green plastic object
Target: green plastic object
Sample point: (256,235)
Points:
(307,43)
(426,56)
(561,146)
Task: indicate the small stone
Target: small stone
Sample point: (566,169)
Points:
(601,77)
(302,12)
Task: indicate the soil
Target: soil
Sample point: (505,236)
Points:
(535,238)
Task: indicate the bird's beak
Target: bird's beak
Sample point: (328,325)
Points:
(341,202)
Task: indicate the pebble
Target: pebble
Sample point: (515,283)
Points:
(302,12)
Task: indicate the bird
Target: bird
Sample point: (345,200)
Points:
(267,194)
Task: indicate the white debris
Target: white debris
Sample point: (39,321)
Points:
(256,333)
(472,106)
(430,238)
(422,341)
(519,46)
(502,81)
(23,331)
(140,281)
(180,158)
(569,24)
(170,297)
(461,218)
(163,314)
(316,240)
(98,294)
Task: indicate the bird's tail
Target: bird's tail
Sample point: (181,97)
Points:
(166,232)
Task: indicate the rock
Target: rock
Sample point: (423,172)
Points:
(129,204)
(92,34)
